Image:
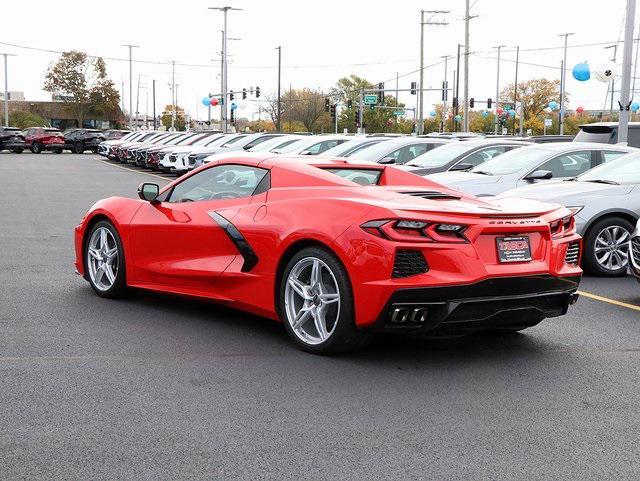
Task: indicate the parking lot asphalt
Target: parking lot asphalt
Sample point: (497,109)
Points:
(160,387)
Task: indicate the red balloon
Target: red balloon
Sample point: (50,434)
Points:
(214,101)
(579,109)
(499,111)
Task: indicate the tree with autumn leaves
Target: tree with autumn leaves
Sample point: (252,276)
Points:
(83,79)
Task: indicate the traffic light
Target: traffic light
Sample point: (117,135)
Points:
(231,96)
(489,101)
(244,94)
(455,102)
(372,106)
(414,87)
(233,116)
(472,102)
(333,111)
(257,92)
(445,85)
(327,104)
(349,104)
(381,93)
(357,119)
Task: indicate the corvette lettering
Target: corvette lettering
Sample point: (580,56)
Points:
(515,222)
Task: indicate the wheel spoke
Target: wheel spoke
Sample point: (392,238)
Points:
(99,274)
(299,287)
(329,298)
(301,317)
(94,253)
(321,324)
(315,272)
(109,273)
(111,253)
(103,239)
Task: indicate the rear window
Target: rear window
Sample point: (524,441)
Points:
(52,131)
(596,133)
(359,176)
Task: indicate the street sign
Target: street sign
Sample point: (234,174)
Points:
(398,113)
(548,122)
(371,99)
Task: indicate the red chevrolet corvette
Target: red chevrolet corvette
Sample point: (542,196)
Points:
(336,250)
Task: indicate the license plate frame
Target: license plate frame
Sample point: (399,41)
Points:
(513,249)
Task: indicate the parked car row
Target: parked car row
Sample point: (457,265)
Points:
(42,139)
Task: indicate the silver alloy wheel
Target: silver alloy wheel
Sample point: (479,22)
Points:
(102,258)
(611,247)
(312,300)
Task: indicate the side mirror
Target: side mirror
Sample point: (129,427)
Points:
(148,191)
(460,167)
(539,175)
(387,161)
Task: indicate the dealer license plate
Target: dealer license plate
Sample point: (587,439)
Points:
(514,249)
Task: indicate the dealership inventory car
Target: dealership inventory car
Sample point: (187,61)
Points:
(12,139)
(336,250)
(80,140)
(39,139)
(106,148)
(353,145)
(312,145)
(457,156)
(531,164)
(114,134)
(606,204)
(124,151)
(607,133)
(398,150)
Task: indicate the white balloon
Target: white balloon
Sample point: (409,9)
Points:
(605,73)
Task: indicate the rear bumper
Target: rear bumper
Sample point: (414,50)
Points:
(489,304)
(13,144)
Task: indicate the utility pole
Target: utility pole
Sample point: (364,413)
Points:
(361,112)
(225,85)
(430,21)
(497,122)
(627,53)
(457,95)
(445,94)
(153,97)
(397,93)
(562,83)
(279,49)
(635,69)
(613,81)
(122,97)
(6,88)
(173,95)
(515,88)
(131,47)
(467,17)
(137,100)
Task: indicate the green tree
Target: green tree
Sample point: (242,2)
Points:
(84,80)
(23,120)
(535,95)
(181,119)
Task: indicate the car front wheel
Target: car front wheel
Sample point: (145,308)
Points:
(36,148)
(78,148)
(606,247)
(104,261)
(316,303)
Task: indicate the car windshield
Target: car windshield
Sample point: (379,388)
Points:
(623,170)
(290,147)
(595,133)
(514,161)
(359,176)
(233,140)
(350,147)
(375,152)
(440,156)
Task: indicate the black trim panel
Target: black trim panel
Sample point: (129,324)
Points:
(247,253)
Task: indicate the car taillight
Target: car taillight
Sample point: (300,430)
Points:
(408,230)
(563,227)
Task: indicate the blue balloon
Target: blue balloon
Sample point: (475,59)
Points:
(485,113)
(432,113)
(512,113)
(206,101)
(233,106)
(635,106)
(458,118)
(553,105)
(581,72)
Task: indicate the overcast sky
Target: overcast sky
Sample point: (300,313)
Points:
(321,42)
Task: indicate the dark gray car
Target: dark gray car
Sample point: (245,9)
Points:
(606,203)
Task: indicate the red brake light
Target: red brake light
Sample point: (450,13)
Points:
(407,230)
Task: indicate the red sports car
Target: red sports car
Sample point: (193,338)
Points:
(336,250)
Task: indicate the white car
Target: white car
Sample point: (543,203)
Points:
(312,145)
(104,148)
(175,158)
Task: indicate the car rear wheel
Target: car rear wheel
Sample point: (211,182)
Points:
(78,148)
(316,303)
(58,151)
(104,261)
(36,148)
(606,247)
(17,151)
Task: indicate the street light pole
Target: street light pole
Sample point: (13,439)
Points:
(225,85)
(6,88)
(627,53)
(173,95)
(130,83)
(445,94)
(279,48)
(466,67)
(562,82)
(499,47)
(515,88)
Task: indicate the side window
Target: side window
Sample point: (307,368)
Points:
(480,156)
(568,165)
(608,155)
(220,182)
(320,147)
(634,137)
(409,152)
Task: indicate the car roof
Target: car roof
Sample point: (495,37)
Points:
(609,124)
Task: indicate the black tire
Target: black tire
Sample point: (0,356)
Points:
(589,262)
(58,151)
(345,336)
(119,287)
(17,151)
(78,148)
(36,148)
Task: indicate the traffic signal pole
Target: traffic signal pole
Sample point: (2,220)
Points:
(627,53)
